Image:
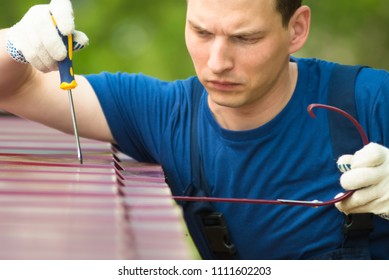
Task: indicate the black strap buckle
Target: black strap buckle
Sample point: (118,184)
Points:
(216,231)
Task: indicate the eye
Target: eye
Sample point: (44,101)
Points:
(245,39)
(203,33)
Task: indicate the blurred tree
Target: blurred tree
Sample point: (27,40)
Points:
(353,32)
(148,35)
(135,36)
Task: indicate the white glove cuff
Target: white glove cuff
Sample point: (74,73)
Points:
(80,40)
(15,53)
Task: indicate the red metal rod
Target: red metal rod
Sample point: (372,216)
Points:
(313,203)
(310,108)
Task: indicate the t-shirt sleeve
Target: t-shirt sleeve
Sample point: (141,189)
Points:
(138,110)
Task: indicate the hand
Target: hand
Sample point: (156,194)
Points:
(366,172)
(35,39)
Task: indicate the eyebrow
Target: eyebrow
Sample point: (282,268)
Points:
(248,33)
(196,26)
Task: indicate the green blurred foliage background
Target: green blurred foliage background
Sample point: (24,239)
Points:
(148,35)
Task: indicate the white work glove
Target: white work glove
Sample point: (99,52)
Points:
(35,39)
(366,172)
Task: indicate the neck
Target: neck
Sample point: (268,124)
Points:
(263,110)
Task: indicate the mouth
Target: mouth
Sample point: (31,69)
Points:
(222,85)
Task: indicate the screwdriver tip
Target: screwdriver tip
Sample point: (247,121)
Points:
(80,158)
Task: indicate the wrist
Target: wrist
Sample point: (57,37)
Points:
(13,74)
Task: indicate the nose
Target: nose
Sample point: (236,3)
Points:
(220,58)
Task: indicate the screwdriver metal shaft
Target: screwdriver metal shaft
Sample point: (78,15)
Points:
(68,83)
(75,129)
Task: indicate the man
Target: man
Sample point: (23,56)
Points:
(255,138)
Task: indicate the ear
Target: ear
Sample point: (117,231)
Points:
(299,26)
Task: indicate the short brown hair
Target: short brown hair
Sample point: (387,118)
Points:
(287,8)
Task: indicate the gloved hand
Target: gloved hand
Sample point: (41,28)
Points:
(366,172)
(35,39)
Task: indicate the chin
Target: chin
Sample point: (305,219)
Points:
(227,102)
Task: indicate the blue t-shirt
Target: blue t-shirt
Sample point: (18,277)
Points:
(290,157)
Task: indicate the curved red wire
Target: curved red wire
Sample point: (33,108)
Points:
(314,203)
(310,108)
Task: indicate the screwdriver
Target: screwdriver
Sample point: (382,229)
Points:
(68,82)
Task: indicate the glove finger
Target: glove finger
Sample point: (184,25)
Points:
(369,156)
(361,177)
(344,163)
(41,61)
(33,50)
(52,42)
(80,40)
(367,200)
(45,45)
(62,12)
(339,195)
(56,48)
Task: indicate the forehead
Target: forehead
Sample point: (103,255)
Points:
(232,15)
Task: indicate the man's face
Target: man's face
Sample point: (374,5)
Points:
(239,49)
